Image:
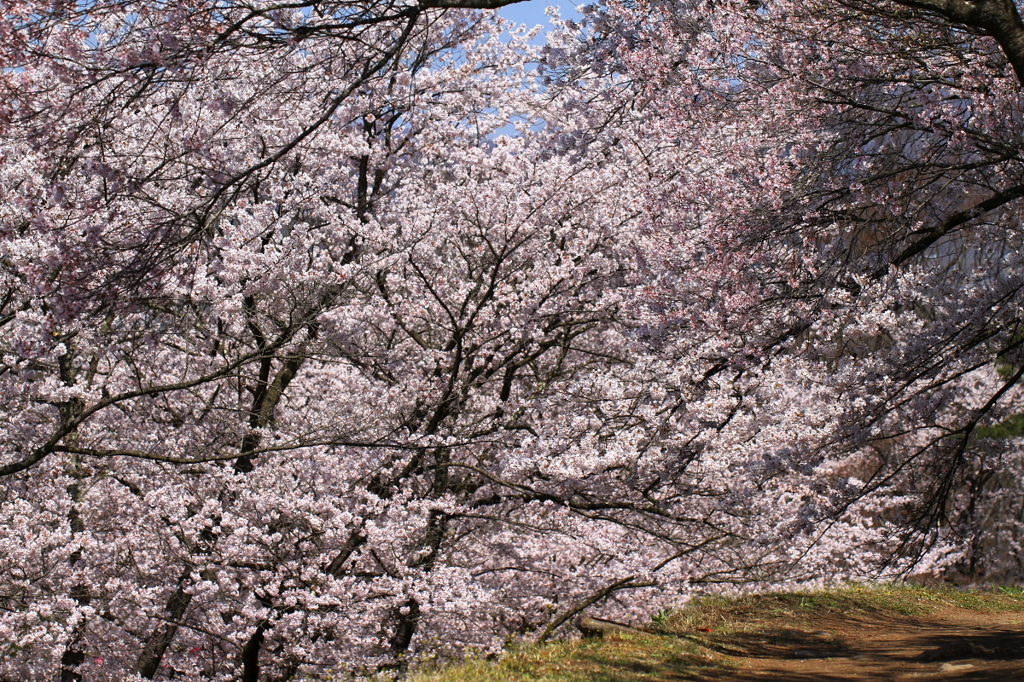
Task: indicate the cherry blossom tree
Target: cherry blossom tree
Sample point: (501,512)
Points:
(310,368)
(294,385)
(903,120)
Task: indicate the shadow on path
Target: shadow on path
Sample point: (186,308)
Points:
(947,645)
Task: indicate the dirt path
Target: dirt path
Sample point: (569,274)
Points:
(947,644)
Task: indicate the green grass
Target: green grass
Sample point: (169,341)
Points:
(628,658)
(889,599)
(704,633)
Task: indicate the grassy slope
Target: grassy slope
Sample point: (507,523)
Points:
(702,634)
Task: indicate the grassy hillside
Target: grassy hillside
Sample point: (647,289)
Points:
(705,639)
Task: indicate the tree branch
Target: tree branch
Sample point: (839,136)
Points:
(624,584)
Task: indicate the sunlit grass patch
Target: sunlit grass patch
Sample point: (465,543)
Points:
(618,658)
(724,614)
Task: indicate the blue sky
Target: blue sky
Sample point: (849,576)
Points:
(531,12)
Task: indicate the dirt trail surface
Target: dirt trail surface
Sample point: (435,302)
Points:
(945,644)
